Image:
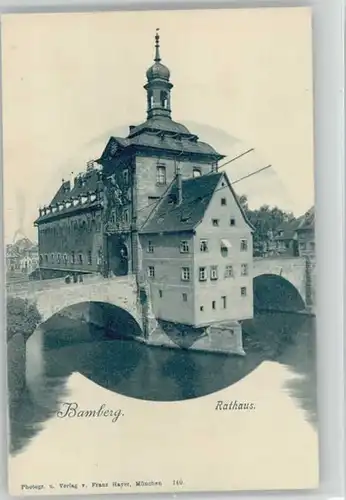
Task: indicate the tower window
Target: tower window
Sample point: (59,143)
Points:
(160,294)
(213,304)
(150,248)
(151,272)
(184,246)
(243,291)
(224,302)
(232,221)
(223,201)
(215,222)
(163,97)
(196,172)
(161,175)
(126,216)
(184,297)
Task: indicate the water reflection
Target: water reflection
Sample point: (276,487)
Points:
(157,374)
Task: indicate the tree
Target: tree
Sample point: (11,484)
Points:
(22,317)
(266,221)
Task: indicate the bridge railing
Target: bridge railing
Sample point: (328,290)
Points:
(41,285)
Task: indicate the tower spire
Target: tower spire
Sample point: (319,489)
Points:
(157,46)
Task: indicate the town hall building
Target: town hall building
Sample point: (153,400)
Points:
(156,205)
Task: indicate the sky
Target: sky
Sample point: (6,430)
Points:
(242,79)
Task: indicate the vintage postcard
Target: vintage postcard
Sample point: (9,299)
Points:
(160,251)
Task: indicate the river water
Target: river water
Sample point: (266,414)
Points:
(151,373)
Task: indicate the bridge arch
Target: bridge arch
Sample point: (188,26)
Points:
(272,292)
(89,321)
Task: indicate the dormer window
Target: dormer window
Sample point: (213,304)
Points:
(196,172)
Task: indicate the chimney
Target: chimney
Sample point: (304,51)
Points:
(179,186)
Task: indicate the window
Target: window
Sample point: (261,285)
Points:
(203,245)
(215,222)
(126,216)
(73,257)
(223,201)
(58,258)
(213,273)
(196,172)
(244,269)
(150,248)
(201,308)
(41,259)
(229,272)
(184,297)
(160,294)
(80,259)
(224,302)
(243,245)
(232,221)
(161,175)
(185,274)
(225,245)
(151,272)
(184,246)
(202,274)
(213,304)
(126,177)
(302,245)
(243,291)
(90,258)
(65,258)
(312,245)
(52,258)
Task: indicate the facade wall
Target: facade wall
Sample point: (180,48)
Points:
(209,293)
(148,190)
(167,287)
(76,235)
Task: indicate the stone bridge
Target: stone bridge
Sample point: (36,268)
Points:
(52,296)
(295,274)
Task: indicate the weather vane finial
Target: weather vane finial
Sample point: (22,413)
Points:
(157,46)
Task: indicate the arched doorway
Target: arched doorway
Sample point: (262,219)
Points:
(118,258)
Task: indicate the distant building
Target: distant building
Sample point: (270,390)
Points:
(22,257)
(306,234)
(286,238)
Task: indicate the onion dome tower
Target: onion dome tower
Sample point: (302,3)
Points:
(158,86)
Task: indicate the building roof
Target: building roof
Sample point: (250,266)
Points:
(87,182)
(307,220)
(163,134)
(197,193)
(160,123)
